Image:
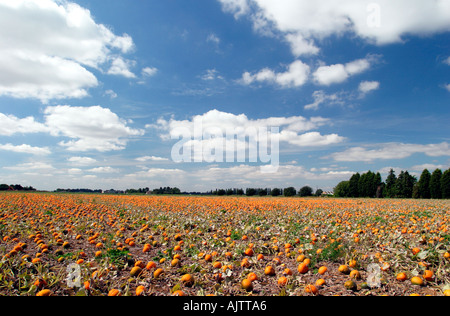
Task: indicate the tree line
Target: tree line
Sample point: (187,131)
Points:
(405,185)
(15,187)
(288,192)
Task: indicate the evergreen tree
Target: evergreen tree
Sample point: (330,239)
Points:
(368,184)
(435,184)
(354,185)
(377,189)
(416,191)
(405,185)
(445,184)
(423,185)
(391,181)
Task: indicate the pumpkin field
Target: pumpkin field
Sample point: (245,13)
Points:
(100,245)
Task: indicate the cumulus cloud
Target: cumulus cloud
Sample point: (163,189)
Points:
(157,173)
(10,125)
(89,128)
(368,86)
(236,7)
(47,47)
(151,158)
(338,73)
(296,130)
(104,170)
(121,67)
(81,161)
(296,75)
(391,151)
(26,149)
(305,23)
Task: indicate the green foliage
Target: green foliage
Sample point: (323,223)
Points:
(445,184)
(342,189)
(423,185)
(435,184)
(305,191)
(354,185)
(290,192)
(391,191)
(275,192)
(117,257)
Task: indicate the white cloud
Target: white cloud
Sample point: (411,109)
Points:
(236,7)
(291,129)
(391,151)
(447,87)
(301,46)
(251,176)
(213,38)
(311,139)
(211,74)
(104,170)
(151,158)
(296,75)
(381,22)
(368,86)
(121,67)
(338,73)
(111,94)
(158,172)
(430,167)
(31,166)
(74,171)
(10,125)
(89,128)
(447,61)
(149,71)
(321,97)
(26,149)
(81,161)
(47,46)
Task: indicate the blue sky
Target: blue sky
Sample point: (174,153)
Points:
(90,91)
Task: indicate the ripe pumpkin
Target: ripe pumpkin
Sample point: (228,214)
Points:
(114,292)
(320,282)
(158,272)
(136,271)
(401,277)
(428,275)
(252,276)
(355,274)
(311,289)
(269,270)
(282,281)
(44,293)
(188,280)
(247,285)
(417,281)
(323,270)
(303,268)
(344,269)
